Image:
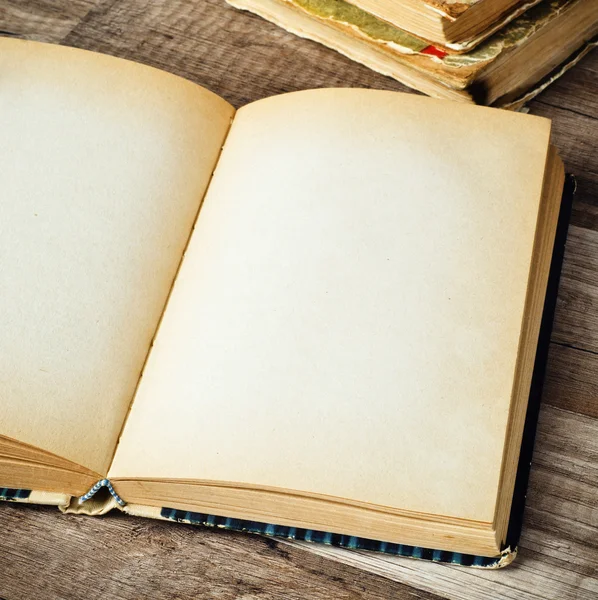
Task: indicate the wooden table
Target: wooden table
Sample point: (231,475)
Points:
(44,554)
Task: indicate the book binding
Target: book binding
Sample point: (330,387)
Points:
(97,487)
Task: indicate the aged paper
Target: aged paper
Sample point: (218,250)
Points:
(347,318)
(103,165)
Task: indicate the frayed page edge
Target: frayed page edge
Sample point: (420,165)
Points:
(520,103)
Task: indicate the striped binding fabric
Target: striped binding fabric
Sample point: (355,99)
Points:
(98,486)
(289,533)
(10,494)
(332,539)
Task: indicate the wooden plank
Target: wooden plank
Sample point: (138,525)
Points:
(576,89)
(42,20)
(235,54)
(585,214)
(575,137)
(564,481)
(571,380)
(49,555)
(576,320)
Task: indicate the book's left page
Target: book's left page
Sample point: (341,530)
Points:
(104,164)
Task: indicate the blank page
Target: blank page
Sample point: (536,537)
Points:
(347,318)
(103,165)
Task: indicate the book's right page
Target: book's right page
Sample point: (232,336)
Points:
(347,319)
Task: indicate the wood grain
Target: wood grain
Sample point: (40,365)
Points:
(570,381)
(237,55)
(575,323)
(127,557)
(242,58)
(42,20)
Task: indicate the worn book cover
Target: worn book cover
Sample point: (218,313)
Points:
(375,28)
(521,57)
(457,26)
(364,24)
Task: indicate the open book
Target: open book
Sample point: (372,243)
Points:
(319,311)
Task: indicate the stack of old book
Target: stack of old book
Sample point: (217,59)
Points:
(493,52)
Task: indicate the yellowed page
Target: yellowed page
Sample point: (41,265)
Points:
(347,317)
(103,165)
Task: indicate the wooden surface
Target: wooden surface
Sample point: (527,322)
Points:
(44,554)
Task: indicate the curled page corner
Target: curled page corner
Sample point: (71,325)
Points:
(97,487)
(507,556)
